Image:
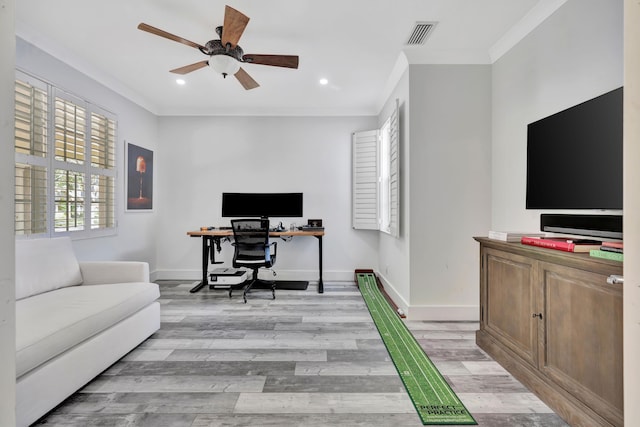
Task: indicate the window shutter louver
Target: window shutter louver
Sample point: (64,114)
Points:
(365,180)
(102,210)
(30,120)
(70,131)
(102,201)
(102,142)
(30,142)
(30,199)
(394,173)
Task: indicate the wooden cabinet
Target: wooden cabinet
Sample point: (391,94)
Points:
(552,320)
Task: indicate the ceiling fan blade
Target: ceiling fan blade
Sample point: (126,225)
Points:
(245,79)
(287,61)
(189,68)
(158,32)
(234,24)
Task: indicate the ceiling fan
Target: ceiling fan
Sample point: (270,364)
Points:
(225,55)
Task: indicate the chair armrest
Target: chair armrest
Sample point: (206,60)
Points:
(272,250)
(102,272)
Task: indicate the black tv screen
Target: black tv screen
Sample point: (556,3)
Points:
(574,157)
(239,205)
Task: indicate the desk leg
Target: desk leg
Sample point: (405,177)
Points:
(320,284)
(205,265)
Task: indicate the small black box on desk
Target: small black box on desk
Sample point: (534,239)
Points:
(312,225)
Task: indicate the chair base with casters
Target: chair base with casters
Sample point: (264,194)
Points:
(253,250)
(255,281)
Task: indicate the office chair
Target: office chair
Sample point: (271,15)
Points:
(253,250)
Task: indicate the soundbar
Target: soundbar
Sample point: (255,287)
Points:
(607,226)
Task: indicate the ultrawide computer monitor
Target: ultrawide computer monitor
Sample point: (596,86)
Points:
(238,205)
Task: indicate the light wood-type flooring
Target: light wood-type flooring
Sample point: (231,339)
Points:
(303,359)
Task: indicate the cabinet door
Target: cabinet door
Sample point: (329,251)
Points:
(509,300)
(582,329)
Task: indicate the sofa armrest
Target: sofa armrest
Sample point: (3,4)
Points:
(103,272)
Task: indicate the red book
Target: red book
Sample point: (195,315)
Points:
(562,243)
(618,245)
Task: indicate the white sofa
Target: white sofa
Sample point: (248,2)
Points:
(74,320)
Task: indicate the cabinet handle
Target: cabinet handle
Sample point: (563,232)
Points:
(537,315)
(615,279)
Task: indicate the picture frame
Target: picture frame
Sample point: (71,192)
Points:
(139,178)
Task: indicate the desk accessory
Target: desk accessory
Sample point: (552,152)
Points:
(314,223)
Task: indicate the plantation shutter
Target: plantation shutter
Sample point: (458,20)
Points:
(31,149)
(70,156)
(30,199)
(365,180)
(394,174)
(376,177)
(65,162)
(102,169)
(84,175)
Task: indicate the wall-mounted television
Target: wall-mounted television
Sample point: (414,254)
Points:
(574,157)
(264,205)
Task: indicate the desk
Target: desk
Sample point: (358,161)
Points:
(214,237)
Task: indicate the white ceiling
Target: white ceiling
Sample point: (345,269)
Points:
(355,44)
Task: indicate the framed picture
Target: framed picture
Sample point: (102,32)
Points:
(139,182)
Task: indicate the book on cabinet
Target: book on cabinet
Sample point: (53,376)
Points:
(616,256)
(562,243)
(511,236)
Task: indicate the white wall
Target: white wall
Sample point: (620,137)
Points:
(7,276)
(202,157)
(393,253)
(575,55)
(631,210)
(431,270)
(136,239)
(450,186)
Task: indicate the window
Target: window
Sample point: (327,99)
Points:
(65,162)
(375,170)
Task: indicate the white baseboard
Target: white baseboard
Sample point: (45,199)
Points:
(450,313)
(393,294)
(431,312)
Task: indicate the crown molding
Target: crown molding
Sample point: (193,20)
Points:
(538,14)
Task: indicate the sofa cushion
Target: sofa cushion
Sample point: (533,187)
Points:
(45,264)
(51,323)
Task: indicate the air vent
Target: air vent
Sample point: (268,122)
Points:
(420,33)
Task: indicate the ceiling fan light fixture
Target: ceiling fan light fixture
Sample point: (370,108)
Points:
(225,55)
(224,64)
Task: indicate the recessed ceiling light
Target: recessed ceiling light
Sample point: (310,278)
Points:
(181,81)
(324,82)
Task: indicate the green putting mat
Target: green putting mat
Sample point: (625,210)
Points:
(432,397)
